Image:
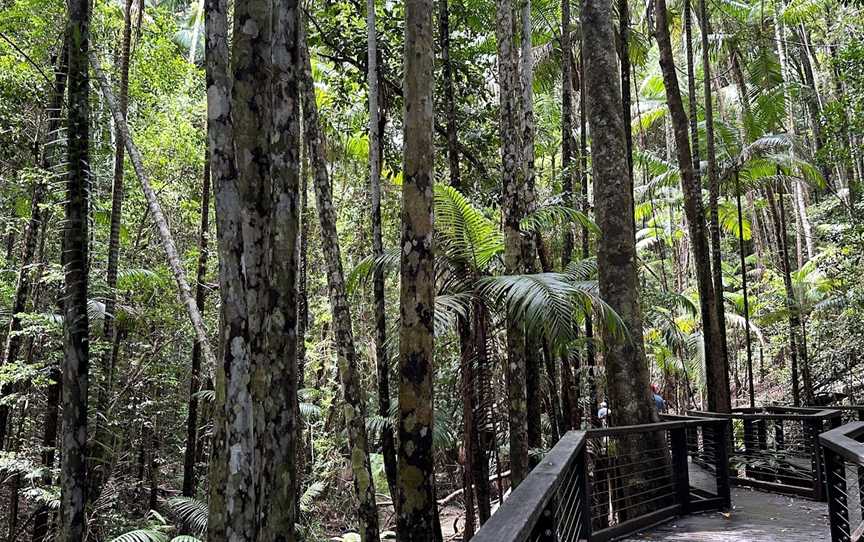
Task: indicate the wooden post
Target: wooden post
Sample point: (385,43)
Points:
(778,435)
(721,465)
(680,469)
(838,513)
(762,428)
(814,427)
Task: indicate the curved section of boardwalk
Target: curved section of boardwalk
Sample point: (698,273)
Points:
(756,517)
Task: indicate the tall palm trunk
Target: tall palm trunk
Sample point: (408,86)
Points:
(484,435)
(355,410)
(50,425)
(567,143)
(418,515)
(717,377)
(449,100)
(76,352)
(798,362)
(533,351)
(586,209)
(747,342)
(691,91)
(713,187)
(382,359)
(108,360)
(191,451)
(513,184)
(117,187)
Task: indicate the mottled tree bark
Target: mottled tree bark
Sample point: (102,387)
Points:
(418,516)
(513,187)
(354,409)
(717,378)
(253,484)
(75,257)
(627,369)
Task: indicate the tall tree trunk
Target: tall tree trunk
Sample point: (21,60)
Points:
(691,92)
(586,209)
(567,143)
(776,206)
(75,258)
(117,187)
(533,352)
(512,209)
(257,204)
(174,261)
(418,515)
(483,421)
(624,46)
(713,186)
(466,369)
(43,514)
(717,377)
(382,359)
(747,342)
(50,426)
(103,449)
(449,101)
(627,369)
(195,374)
(355,411)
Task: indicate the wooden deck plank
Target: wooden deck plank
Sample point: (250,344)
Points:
(756,517)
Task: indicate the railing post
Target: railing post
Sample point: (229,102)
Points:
(838,511)
(814,427)
(779,443)
(680,468)
(721,462)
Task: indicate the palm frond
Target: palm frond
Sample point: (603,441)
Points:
(192,512)
(142,535)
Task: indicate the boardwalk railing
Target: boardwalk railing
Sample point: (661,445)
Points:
(844,467)
(777,448)
(606,483)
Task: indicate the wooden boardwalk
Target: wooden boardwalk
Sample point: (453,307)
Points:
(756,516)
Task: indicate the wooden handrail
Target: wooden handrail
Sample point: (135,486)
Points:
(842,441)
(515,519)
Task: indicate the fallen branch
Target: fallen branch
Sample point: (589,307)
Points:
(174,263)
(458,492)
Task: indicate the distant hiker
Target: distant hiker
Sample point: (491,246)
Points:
(659,402)
(603,413)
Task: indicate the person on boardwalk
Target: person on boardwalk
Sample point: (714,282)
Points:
(659,402)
